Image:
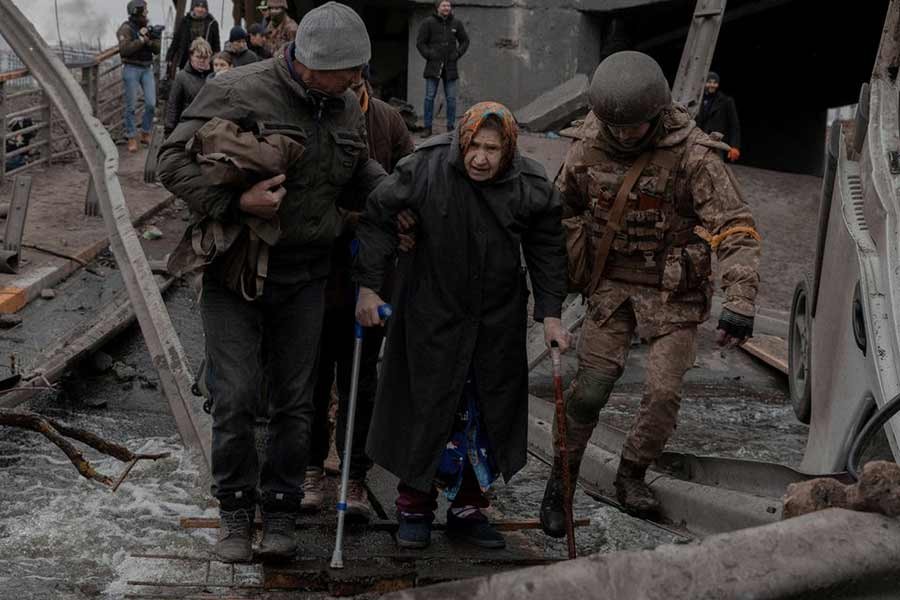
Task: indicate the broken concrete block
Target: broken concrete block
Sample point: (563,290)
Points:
(101,362)
(878,491)
(124,373)
(557,107)
(48,294)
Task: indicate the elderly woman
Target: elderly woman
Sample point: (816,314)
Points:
(452,405)
(188,82)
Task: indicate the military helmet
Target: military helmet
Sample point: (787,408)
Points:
(628,89)
(136,6)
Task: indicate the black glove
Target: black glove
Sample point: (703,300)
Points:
(735,325)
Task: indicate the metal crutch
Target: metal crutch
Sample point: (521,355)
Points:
(337,559)
(563,447)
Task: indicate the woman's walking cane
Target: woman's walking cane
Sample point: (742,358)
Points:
(337,559)
(563,447)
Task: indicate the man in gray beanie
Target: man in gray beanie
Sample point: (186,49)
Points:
(303,93)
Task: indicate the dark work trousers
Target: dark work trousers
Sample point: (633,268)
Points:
(336,365)
(277,334)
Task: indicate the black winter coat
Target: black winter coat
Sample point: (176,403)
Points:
(720,115)
(441,42)
(207,28)
(461,302)
(184,89)
(245,57)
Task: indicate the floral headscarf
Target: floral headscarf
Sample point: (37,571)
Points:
(509,131)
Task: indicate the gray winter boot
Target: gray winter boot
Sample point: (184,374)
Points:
(279,542)
(235,536)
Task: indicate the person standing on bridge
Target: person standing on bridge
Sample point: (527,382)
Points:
(237,47)
(442,40)
(452,403)
(281,29)
(137,48)
(187,83)
(647,200)
(257,33)
(718,114)
(198,23)
(303,94)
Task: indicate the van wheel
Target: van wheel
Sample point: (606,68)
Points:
(800,351)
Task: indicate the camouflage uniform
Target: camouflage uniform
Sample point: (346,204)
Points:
(658,278)
(281,34)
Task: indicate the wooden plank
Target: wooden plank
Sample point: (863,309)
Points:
(770,349)
(377,525)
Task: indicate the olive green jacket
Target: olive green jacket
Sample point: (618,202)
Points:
(267,97)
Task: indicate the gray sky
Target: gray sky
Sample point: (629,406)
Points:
(89,20)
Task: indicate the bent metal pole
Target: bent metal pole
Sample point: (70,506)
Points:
(337,558)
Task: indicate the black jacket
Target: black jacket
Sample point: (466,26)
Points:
(189,29)
(461,302)
(719,113)
(441,42)
(185,88)
(261,51)
(245,57)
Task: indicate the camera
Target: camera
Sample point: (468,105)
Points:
(155,31)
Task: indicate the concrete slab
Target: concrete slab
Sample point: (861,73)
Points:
(557,107)
(57,223)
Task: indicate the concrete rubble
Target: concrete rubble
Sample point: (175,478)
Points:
(557,107)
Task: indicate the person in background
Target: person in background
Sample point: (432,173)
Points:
(137,49)
(237,47)
(244,10)
(718,114)
(263,9)
(388,141)
(197,23)
(257,43)
(221,63)
(188,82)
(442,40)
(281,27)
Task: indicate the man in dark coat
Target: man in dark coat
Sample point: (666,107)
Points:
(237,47)
(302,95)
(452,403)
(718,114)
(442,40)
(197,23)
(388,142)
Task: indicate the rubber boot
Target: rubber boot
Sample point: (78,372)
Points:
(552,514)
(632,491)
(235,536)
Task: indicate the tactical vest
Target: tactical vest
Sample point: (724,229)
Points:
(657,227)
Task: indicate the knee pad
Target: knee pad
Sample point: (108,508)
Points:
(589,395)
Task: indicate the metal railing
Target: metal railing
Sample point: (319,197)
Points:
(32,134)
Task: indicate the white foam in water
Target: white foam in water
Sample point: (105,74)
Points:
(62,536)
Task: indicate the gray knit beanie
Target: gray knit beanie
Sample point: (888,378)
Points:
(331,37)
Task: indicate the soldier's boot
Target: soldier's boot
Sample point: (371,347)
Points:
(632,491)
(235,536)
(589,394)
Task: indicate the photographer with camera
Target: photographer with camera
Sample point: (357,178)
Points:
(138,42)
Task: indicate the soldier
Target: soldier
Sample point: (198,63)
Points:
(281,27)
(646,190)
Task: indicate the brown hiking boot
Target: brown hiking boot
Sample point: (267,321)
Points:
(235,536)
(133,145)
(313,492)
(145,138)
(632,491)
(358,507)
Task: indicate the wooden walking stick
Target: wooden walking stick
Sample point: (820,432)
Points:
(563,447)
